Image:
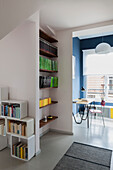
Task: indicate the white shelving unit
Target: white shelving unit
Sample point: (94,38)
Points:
(30,143)
(29,138)
(29,123)
(23,108)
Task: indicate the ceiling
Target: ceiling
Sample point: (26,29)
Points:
(65,14)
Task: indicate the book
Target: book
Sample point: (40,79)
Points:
(18,149)
(23,130)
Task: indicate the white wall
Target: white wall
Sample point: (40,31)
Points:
(64,92)
(18,66)
(15,12)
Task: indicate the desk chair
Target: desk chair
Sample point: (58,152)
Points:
(99,111)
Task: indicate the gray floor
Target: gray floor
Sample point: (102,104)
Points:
(54,145)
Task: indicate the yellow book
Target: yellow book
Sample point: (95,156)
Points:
(111,113)
(40,103)
(21,153)
(43,102)
(23,150)
(46,101)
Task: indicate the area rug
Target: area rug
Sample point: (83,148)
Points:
(85,157)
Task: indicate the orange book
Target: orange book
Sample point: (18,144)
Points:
(9,126)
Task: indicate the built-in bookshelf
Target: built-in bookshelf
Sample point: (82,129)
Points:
(49,120)
(48,79)
(47,37)
(52,102)
(48,71)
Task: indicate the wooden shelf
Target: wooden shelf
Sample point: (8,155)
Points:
(42,123)
(47,54)
(48,38)
(53,102)
(48,71)
(48,88)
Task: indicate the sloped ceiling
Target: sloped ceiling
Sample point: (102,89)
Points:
(58,14)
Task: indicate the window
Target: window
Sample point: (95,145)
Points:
(99,86)
(98,70)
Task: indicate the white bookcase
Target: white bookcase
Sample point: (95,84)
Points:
(29,127)
(22,104)
(30,143)
(28,138)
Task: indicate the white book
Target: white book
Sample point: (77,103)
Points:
(10,111)
(20,128)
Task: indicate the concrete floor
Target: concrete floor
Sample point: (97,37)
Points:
(54,145)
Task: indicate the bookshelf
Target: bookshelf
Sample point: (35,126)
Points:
(53,102)
(48,71)
(47,53)
(48,66)
(42,123)
(14,122)
(21,148)
(25,127)
(47,37)
(14,109)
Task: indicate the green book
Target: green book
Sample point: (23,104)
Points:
(40,63)
(51,82)
(56,66)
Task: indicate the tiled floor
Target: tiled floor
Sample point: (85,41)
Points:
(54,145)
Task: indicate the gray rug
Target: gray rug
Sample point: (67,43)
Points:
(85,157)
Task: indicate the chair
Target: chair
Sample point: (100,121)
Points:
(99,111)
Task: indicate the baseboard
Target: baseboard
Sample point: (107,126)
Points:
(60,131)
(46,131)
(37,153)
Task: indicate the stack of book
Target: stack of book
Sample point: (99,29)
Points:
(44,102)
(47,64)
(11,110)
(46,46)
(20,150)
(2,127)
(17,127)
(47,81)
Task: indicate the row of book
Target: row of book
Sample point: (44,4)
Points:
(47,81)
(17,127)
(48,64)
(46,46)
(2,127)
(11,110)
(20,150)
(44,102)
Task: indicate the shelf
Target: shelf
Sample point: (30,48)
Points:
(48,88)
(48,71)
(47,37)
(53,102)
(11,118)
(48,121)
(47,54)
(19,158)
(16,135)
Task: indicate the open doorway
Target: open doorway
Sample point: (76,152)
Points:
(94,73)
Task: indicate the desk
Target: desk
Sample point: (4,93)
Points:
(84,102)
